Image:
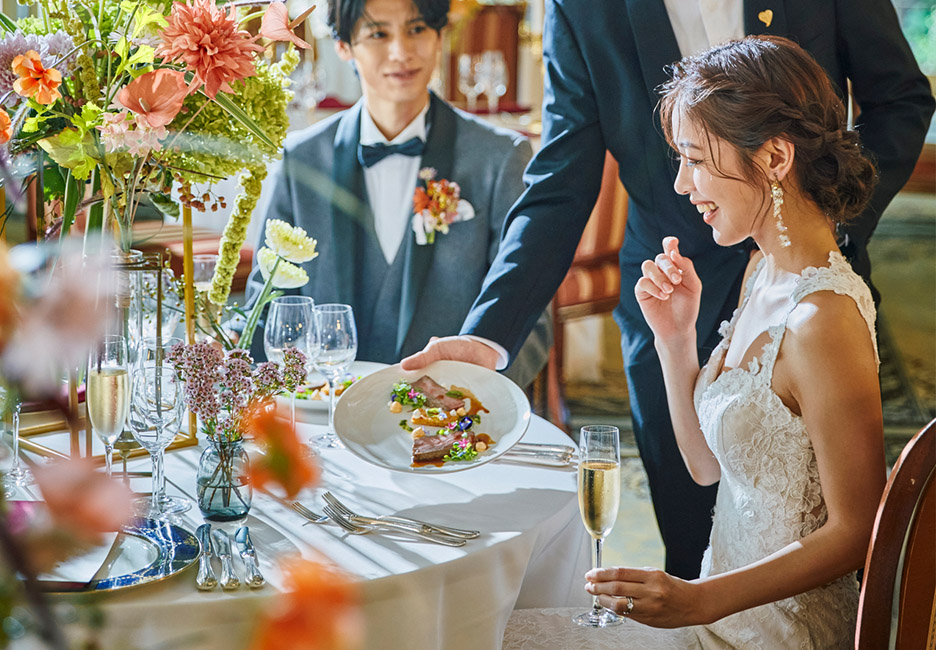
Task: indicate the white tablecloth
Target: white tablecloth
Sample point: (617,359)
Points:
(533,552)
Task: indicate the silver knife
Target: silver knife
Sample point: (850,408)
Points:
(246,548)
(206,580)
(222,548)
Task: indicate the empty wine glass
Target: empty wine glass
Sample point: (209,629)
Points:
(337,350)
(494,78)
(203,268)
(155,417)
(599,497)
(17,475)
(108,391)
(290,324)
(468,82)
(153,351)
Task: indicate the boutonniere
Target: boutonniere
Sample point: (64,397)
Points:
(437,206)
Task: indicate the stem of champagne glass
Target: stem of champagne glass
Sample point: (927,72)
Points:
(108,460)
(492,102)
(16,426)
(595,606)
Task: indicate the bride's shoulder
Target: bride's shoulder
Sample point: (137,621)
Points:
(826,323)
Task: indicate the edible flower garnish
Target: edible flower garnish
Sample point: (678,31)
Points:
(405,394)
(461,450)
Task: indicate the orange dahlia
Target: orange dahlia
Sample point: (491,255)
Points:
(207,40)
(6,127)
(36,81)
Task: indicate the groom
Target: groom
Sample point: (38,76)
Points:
(349,182)
(604,61)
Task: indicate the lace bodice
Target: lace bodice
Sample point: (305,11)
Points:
(769,496)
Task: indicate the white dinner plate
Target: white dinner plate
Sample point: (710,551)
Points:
(369,430)
(358,369)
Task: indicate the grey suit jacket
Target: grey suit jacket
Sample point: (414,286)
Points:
(319,185)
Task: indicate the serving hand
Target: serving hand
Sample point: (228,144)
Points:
(669,292)
(452,348)
(657,598)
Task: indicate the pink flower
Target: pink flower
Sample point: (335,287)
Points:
(114,129)
(276,26)
(156,97)
(207,40)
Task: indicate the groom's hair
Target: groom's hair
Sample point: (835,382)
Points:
(343,15)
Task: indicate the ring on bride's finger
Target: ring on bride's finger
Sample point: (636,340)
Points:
(630,605)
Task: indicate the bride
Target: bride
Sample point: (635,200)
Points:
(786,414)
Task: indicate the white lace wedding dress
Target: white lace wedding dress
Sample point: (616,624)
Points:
(769,496)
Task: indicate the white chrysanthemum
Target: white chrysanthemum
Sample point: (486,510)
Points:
(290,242)
(288,276)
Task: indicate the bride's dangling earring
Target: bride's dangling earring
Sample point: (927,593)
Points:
(776,193)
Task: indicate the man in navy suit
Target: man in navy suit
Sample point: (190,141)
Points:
(349,181)
(604,61)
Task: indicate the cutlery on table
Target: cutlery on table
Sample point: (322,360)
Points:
(245,547)
(422,526)
(313,517)
(222,548)
(355,529)
(558,455)
(206,580)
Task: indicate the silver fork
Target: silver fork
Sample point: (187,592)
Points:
(422,526)
(313,517)
(354,529)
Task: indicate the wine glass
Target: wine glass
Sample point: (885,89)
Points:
(203,268)
(468,81)
(17,475)
(153,351)
(599,497)
(495,78)
(155,417)
(338,348)
(290,324)
(108,391)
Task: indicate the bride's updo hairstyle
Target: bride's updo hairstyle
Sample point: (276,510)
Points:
(748,91)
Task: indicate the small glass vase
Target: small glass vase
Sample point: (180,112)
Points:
(224,494)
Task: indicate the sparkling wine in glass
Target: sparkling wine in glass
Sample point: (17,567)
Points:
(108,391)
(599,497)
(290,324)
(155,417)
(337,350)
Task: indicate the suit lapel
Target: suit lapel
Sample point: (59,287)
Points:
(655,40)
(349,204)
(757,13)
(439,154)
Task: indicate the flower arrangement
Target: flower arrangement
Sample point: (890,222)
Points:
(437,206)
(130,96)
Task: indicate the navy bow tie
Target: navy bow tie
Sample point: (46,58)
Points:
(371,154)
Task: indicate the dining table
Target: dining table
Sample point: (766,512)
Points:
(533,551)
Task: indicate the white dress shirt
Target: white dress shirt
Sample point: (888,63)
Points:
(700,24)
(391,182)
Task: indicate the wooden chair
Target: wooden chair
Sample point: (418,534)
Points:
(898,593)
(593,283)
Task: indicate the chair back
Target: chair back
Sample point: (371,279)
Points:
(898,592)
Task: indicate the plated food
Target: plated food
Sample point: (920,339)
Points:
(443,422)
(372,431)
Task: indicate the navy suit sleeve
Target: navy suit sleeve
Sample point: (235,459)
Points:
(894,97)
(543,227)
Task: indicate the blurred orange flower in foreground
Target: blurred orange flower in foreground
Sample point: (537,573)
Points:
(82,501)
(283,464)
(6,127)
(317,611)
(34,80)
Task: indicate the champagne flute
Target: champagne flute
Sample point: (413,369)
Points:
(290,324)
(108,391)
(599,497)
(155,417)
(17,475)
(338,348)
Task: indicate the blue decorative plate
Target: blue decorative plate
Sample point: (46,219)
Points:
(145,551)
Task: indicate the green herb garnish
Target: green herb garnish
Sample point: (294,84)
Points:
(457,394)
(405,394)
(460,451)
(404,424)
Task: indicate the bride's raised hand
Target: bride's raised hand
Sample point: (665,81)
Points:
(668,293)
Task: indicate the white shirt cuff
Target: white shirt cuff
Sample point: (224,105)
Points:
(502,355)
